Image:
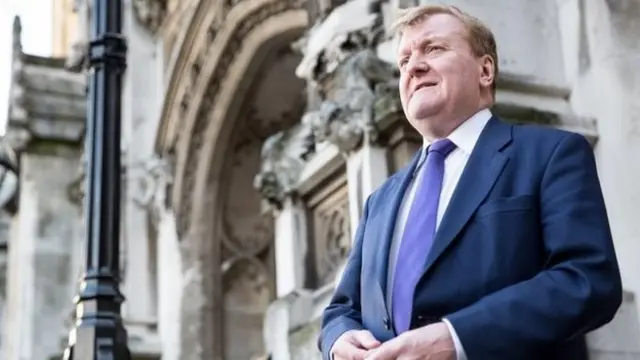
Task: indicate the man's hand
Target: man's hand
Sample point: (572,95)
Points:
(432,342)
(353,345)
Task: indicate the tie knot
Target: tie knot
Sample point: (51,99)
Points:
(443,147)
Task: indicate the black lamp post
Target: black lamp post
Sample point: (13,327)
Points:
(99,333)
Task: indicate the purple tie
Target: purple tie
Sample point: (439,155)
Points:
(418,234)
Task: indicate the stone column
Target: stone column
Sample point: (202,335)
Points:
(367,169)
(143,174)
(282,161)
(169,280)
(291,246)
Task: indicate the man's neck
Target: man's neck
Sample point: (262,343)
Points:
(436,133)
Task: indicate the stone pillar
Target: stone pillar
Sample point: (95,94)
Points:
(144,176)
(169,280)
(367,169)
(290,246)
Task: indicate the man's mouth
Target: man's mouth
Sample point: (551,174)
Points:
(424,85)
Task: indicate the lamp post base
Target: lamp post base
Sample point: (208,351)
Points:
(98,333)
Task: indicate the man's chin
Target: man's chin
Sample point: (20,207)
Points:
(423,114)
(424,108)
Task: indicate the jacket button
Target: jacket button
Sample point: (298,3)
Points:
(385,321)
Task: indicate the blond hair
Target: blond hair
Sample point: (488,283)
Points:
(479,36)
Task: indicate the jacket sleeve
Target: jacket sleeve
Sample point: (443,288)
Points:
(580,288)
(343,312)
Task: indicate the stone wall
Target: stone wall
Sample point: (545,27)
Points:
(44,258)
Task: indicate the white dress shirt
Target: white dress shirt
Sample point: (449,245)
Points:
(465,138)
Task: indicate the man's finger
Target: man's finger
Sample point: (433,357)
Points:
(386,351)
(366,340)
(350,353)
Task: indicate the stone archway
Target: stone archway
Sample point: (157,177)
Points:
(227,44)
(245,230)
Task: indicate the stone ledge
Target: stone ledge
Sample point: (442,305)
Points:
(325,162)
(524,84)
(524,114)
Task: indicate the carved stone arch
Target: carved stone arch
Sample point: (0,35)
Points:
(198,119)
(197,78)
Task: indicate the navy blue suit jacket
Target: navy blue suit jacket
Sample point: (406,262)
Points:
(523,263)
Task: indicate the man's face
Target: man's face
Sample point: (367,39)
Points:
(440,77)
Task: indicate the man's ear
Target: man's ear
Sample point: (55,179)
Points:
(487,71)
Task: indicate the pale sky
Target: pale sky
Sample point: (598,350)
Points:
(37,18)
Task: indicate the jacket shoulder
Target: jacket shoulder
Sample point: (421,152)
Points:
(541,134)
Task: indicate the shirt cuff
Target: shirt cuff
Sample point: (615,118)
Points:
(460,355)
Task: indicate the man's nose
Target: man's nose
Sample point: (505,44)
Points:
(416,66)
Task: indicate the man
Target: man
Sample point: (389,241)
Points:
(522,264)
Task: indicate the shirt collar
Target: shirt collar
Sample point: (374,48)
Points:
(466,135)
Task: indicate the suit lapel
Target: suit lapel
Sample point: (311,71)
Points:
(480,174)
(388,219)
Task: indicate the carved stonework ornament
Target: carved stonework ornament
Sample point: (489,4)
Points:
(150,186)
(150,13)
(283,157)
(341,64)
(346,83)
(337,241)
(346,116)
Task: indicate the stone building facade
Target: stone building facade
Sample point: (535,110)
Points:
(253,131)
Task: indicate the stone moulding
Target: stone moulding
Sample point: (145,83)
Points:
(176,71)
(193,136)
(522,114)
